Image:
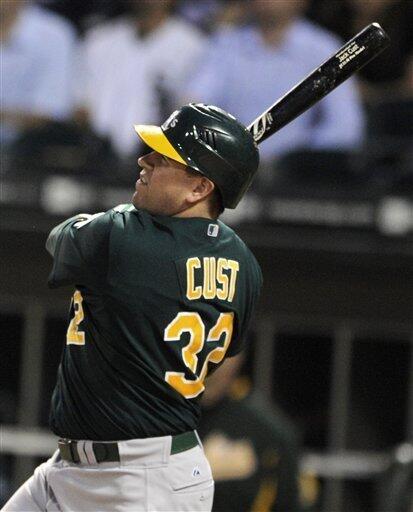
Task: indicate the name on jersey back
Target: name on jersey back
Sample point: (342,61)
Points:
(211,278)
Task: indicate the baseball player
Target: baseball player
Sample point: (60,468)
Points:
(254,460)
(163,293)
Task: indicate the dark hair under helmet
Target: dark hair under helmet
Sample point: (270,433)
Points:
(212,142)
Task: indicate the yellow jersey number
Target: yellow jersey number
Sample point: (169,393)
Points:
(192,323)
(74,336)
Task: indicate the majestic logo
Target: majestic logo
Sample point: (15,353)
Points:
(196,471)
(260,126)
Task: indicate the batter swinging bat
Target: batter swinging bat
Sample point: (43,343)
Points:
(357,52)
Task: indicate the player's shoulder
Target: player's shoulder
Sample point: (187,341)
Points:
(113,224)
(123,208)
(240,244)
(228,232)
(126,216)
(118,214)
(125,213)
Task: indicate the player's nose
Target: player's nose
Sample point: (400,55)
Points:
(142,161)
(147,161)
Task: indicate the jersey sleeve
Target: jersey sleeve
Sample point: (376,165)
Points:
(80,248)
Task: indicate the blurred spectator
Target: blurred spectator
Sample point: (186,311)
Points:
(211,14)
(252,448)
(202,14)
(386,84)
(247,68)
(392,73)
(133,69)
(37,49)
(85,13)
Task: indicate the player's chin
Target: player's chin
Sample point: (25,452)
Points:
(139,203)
(136,200)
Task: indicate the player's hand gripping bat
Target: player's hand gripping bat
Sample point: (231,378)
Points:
(356,53)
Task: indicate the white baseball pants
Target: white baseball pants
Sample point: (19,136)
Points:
(146,478)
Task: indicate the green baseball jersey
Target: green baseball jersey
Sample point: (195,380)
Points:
(261,473)
(158,303)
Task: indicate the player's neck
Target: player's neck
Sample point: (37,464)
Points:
(200,209)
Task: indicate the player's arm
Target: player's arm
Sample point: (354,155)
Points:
(218,382)
(56,231)
(79,247)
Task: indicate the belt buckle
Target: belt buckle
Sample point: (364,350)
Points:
(68,449)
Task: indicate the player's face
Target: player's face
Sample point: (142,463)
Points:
(163,186)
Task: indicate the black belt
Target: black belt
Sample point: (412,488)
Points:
(109,452)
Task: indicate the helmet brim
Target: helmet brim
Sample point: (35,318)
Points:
(154,137)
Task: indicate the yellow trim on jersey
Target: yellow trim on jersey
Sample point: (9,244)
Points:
(154,137)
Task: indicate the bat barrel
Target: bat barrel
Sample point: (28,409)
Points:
(355,54)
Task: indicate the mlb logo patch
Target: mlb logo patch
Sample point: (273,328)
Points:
(213,230)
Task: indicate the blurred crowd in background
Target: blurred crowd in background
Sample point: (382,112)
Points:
(78,74)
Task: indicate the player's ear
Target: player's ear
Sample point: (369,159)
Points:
(202,187)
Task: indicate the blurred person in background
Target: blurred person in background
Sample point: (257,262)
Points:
(37,51)
(252,447)
(248,67)
(392,74)
(84,14)
(386,85)
(387,88)
(201,14)
(135,67)
(210,15)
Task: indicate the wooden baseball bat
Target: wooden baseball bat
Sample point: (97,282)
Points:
(355,54)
